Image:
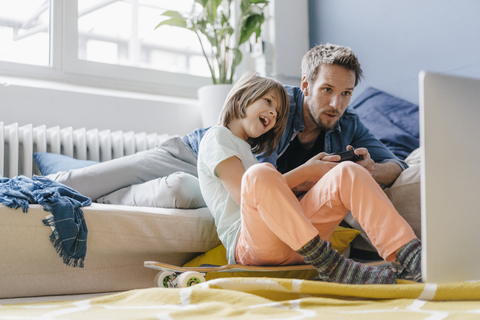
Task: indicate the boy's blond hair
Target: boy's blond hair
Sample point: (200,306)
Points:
(248,89)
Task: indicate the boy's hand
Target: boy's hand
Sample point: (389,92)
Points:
(320,164)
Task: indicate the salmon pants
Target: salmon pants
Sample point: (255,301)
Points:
(275,224)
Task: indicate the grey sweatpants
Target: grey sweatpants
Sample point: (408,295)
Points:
(162,177)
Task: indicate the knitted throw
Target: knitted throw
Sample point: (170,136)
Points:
(69,236)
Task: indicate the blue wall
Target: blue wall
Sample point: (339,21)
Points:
(394,40)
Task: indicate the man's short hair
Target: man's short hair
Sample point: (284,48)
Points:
(333,55)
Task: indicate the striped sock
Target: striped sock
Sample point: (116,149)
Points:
(334,267)
(410,257)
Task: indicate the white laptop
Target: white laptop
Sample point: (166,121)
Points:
(450,184)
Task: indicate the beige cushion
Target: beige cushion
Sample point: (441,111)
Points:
(120,239)
(414,157)
(405,196)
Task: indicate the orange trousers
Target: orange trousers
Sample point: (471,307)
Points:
(274,223)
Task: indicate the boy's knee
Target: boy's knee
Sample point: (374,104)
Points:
(259,170)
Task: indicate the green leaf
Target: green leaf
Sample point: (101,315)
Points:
(182,23)
(252,23)
(224,20)
(238,57)
(212,6)
(258,30)
(236,61)
(201,25)
(244,5)
(259,1)
(203,3)
(172,14)
(176,19)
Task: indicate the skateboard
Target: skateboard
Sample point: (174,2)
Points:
(171,276)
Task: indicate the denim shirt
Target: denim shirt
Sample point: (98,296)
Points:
(348,131)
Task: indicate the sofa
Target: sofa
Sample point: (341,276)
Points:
(120,239)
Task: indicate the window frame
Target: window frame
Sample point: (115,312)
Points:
(66,67)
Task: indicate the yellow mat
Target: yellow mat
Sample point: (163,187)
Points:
(262,298)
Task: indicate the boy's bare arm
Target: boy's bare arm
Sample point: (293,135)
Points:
(230,172)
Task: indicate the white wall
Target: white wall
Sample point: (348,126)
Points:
(288,32)
(49,103)
(290,39)
(286,39)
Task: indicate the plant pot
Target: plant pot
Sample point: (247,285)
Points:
(212,99)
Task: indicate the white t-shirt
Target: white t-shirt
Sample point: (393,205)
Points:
(217,145)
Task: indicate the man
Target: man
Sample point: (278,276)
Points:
(319,120)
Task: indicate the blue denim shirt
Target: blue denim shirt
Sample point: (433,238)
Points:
(348,131)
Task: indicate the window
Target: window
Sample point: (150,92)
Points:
(129,38)
(103,43)
(24,28)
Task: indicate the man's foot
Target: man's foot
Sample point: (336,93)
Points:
(334,267)
(409,257)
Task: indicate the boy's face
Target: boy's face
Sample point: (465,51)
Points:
(261,117)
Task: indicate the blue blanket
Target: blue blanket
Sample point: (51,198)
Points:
(69,236)
(394,121)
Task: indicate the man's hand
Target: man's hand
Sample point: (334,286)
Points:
(384,174)
(367,161)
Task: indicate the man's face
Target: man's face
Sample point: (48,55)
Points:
(327,98)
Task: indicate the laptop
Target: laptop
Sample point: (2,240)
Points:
(450,177)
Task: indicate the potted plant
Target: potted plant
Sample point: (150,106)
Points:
(211,20)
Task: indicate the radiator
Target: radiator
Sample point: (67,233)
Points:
(18,143)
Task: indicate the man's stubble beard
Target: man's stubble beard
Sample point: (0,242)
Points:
(318,122)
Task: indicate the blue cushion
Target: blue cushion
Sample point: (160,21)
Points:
(49,163)
(392,120)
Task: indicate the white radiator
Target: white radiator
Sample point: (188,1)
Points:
(17,145)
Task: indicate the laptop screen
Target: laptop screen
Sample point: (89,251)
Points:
(450,177)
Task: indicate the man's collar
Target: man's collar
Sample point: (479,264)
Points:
(337,126)
(298,124)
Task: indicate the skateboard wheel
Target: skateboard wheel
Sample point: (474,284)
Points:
(164,279)
(190,278)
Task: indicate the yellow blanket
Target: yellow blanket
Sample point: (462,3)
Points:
(268,298)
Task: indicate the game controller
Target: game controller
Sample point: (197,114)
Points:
(348,156)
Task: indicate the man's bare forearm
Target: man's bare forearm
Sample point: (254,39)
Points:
(386,173)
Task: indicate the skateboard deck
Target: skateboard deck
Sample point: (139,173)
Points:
(224,268)
(171,276)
